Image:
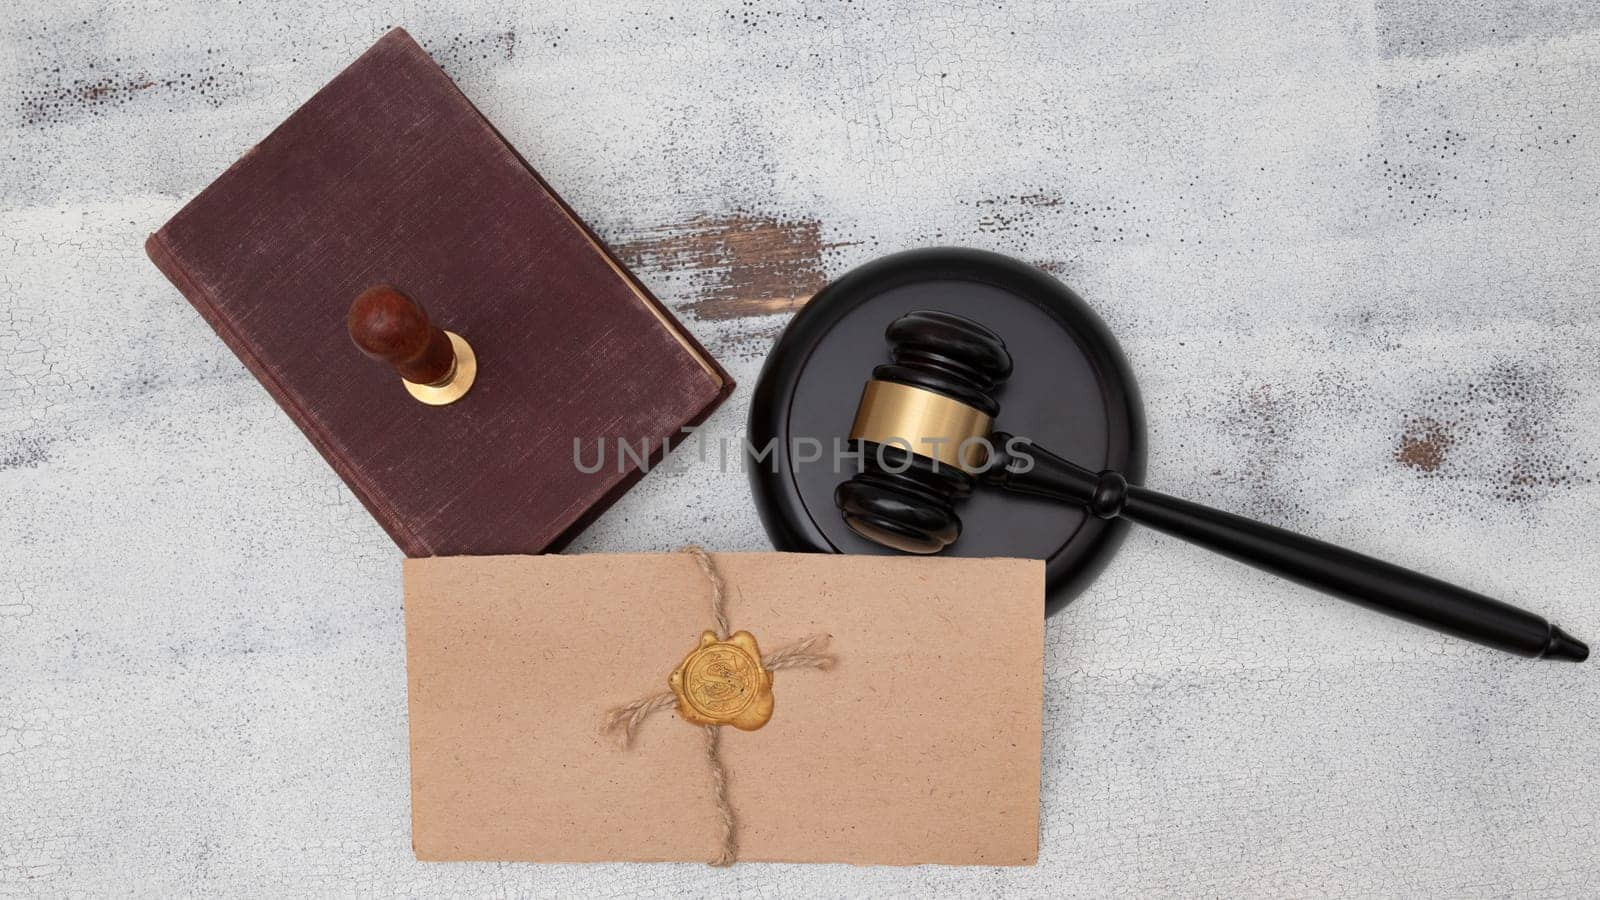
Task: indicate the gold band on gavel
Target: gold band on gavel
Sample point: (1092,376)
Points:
(925,423)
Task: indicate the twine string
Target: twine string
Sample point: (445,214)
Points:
(623,722)
(729,848)
(718,590)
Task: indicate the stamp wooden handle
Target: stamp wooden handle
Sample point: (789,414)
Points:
(389,326)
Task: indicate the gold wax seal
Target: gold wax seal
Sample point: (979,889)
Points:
(722,683)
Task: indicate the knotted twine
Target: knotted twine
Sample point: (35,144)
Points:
(622,722)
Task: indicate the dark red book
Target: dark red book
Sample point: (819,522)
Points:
(390,175)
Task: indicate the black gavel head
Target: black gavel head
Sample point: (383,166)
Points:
(922,430)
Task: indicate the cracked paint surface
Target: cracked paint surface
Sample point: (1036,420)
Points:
(1349,249)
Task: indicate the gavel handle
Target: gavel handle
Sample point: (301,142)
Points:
(1344,573)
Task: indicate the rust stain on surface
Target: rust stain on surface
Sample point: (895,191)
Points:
(746,344)
(744,264)
(464,49)
(1424,444)
(54,100)
(1262,483)
(1506,428)
(47,104)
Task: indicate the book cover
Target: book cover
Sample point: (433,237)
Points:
(389,174)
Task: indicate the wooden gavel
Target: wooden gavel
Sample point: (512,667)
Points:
(436,366)
(924,427)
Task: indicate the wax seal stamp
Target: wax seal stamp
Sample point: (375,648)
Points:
(723,683)
(436,366)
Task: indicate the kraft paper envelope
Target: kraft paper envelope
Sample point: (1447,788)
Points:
(921,745)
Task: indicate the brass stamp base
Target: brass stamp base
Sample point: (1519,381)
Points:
(456,384)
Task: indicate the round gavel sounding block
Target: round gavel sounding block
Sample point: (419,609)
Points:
(436,366)
(1071,386)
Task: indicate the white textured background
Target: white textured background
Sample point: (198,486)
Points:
(1350,247)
